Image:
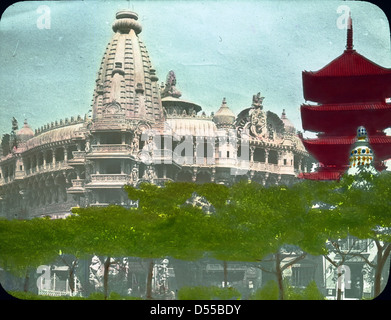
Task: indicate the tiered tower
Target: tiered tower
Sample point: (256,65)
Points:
(350,91)
(126,103)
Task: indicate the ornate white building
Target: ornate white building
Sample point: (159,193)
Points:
(139,131)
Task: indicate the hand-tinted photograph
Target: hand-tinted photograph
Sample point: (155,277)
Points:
(195,150)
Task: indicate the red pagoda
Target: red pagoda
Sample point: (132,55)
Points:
(350,91)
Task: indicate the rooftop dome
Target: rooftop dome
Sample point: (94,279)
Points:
(224,117)
(195,127)
(289,127)
(361,156)
(55,135)
(25,133)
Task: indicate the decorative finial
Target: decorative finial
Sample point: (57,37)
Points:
(362,134)
(126,20)
(349,39)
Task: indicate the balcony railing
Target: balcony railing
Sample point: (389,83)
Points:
(110,148)
(78,183)
(58,165)
(78,155)
(109,179)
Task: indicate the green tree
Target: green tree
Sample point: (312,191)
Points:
(27,244)
(356,206)
(112,232)
(261,223)
(366,210)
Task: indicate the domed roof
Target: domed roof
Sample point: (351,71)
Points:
(224,117)
(191,126)
(55,135)
(289,127)
(25,133)
(361,156)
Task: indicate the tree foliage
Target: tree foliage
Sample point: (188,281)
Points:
(249,222)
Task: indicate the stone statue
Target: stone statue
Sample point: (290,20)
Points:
(134,176)
(135,142)
(88,146)
(169,89)
(257,116)
(96,273)
(257,100)
(150,173)
(14,124)
(271,132)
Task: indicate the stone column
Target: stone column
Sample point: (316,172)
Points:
(252,149)
(54,157)
(97,138)
(279,158)
(266,156)
(44,160)
(97,167)
(65,154)
(36,162)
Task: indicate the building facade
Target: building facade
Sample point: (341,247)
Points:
(141,130)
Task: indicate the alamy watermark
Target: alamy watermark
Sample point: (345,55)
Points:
(342,20)
(44,20)
(43,281)
(168,147)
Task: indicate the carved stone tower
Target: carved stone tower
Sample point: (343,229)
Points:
(126,104)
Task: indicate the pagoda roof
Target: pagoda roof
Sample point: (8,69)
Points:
(350,77)
(345,118)
(331,140)
(335,150)
(348,106)
(321,175)
(350,63)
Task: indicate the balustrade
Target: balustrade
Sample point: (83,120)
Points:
(109,178)
(110,148)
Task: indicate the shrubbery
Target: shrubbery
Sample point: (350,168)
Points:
(208,293)
(270,292)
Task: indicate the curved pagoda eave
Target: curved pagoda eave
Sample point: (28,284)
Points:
(344,118)
(335,151)
(322,175)
(346,89)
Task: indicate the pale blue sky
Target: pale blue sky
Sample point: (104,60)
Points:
(217,49)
